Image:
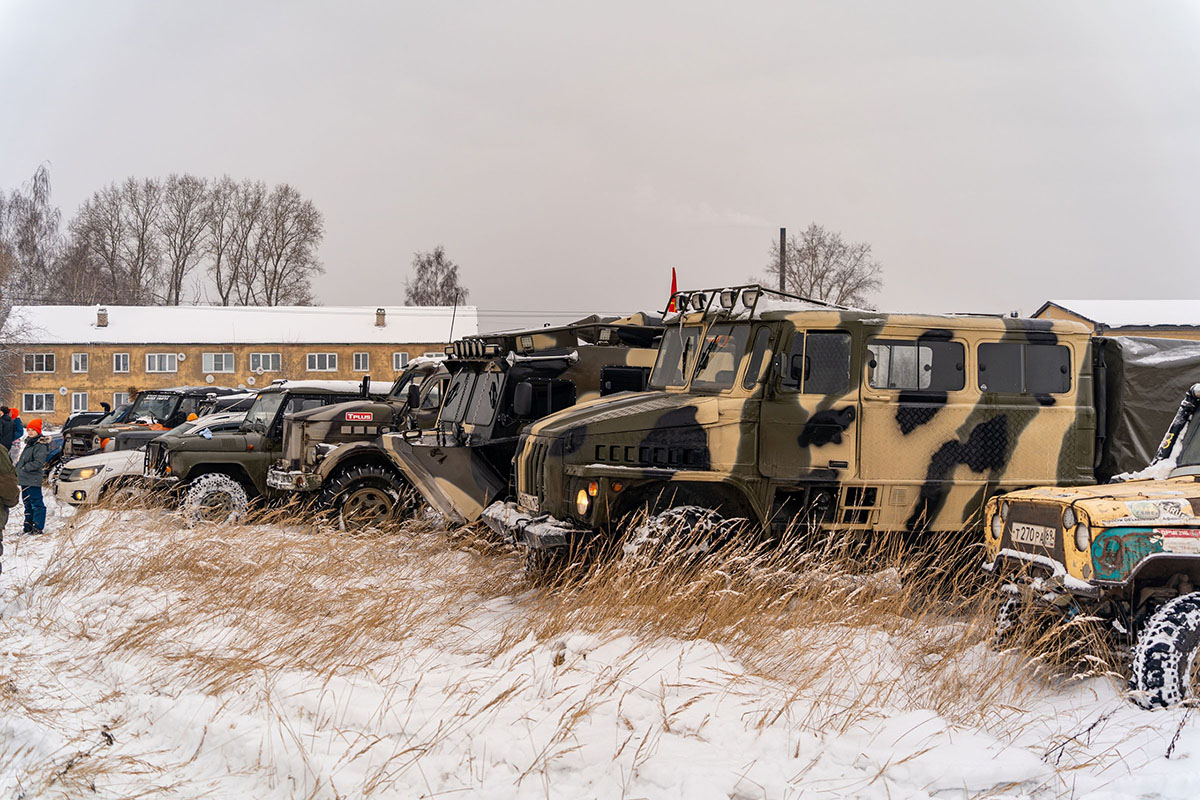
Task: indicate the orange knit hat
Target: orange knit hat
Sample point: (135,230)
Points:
(34,425)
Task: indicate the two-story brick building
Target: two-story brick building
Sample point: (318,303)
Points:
(72,358)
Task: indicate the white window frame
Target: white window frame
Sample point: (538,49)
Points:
(257,359)
(47,405)
(118,359)
(80,362)
(208,362)
(314,360)
(171,358)
(362,362)
(75,397)
(399,361)
(46,358)
(120,399)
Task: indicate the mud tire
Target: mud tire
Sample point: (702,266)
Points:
(1166,665)
(542,566)
(1008,618)
(695,529)
(366,496)
(214,498)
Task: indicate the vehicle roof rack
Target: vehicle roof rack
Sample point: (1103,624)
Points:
(727,296)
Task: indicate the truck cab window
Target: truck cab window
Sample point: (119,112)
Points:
(1015,368)
(720,356)
(915,365)
(676,355)
(818,362)
(754,370)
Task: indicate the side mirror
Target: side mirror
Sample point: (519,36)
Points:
(523,400)
(414,397)
(365,389)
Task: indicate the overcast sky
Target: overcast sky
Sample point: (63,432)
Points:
(569,154)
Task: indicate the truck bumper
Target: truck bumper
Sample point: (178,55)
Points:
(536,531)
(293,480)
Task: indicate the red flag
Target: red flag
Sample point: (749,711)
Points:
(674,288)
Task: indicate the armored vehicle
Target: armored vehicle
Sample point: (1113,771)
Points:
(218,473)
(337,447)
(1126,552)
(503,383)
(784,412)
(153,412)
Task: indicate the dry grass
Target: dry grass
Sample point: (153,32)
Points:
(846,629)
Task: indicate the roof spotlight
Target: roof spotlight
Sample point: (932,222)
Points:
(681,301)
(728,297)
(750,297)
(699,301)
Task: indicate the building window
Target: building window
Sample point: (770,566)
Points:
(322,362)
(37,403)
(79,402)
(399,361)
(264,362)
(162,362)
(39,362)
(362,362)
(120,362)
(217,362)
(79,362)
(120,399)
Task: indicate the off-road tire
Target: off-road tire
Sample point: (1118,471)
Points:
(366,496)
(543,565)
(1008,618)
(214,498)
(1166,667)
(700,530)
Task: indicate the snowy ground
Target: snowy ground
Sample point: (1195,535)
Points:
(140,659)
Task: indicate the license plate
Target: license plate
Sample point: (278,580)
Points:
(528,502)
(1180,540)
(1036,535)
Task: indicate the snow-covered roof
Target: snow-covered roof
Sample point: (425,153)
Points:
(239,324)
(1132,313)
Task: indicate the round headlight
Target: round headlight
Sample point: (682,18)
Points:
(1069,519)
(997,526)
(1004,511)
(1083,538)
(582,503)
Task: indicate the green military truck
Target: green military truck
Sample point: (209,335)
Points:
(502,383)
(781,411)
(334,455)
(216,475)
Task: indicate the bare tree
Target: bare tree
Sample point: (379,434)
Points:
(98,240)
(182,227)
(249,207)
(142,205)
(286,249)
(435,281)
(822,266)
(29,232)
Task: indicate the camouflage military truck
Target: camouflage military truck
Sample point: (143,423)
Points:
(153,412)
(502,383)
(1126,552)
(780,411)
(218,474)
(335,452)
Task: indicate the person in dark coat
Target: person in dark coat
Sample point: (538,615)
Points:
(30,467)
(18,432)
(6,428)
(10,492)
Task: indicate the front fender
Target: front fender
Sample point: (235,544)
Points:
(349,453)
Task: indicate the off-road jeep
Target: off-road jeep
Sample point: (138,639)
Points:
(217,475)
(502,383)
(1125,552)
(153,412)
(334,452)
(785,412)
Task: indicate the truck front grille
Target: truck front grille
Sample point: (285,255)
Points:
(533,472)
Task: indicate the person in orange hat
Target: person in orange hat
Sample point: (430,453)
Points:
(30,474)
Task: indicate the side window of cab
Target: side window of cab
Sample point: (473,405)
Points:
(916,365)
(818,362)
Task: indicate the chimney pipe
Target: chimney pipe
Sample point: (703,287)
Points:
(380,318)
(101,317)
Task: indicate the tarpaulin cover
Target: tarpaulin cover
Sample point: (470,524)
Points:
(1144,383)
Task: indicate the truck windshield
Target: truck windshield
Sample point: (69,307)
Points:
(400,387)
(676,355)
(457,396)
(485,398)
(258,418)
(159,407)
(720,357)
